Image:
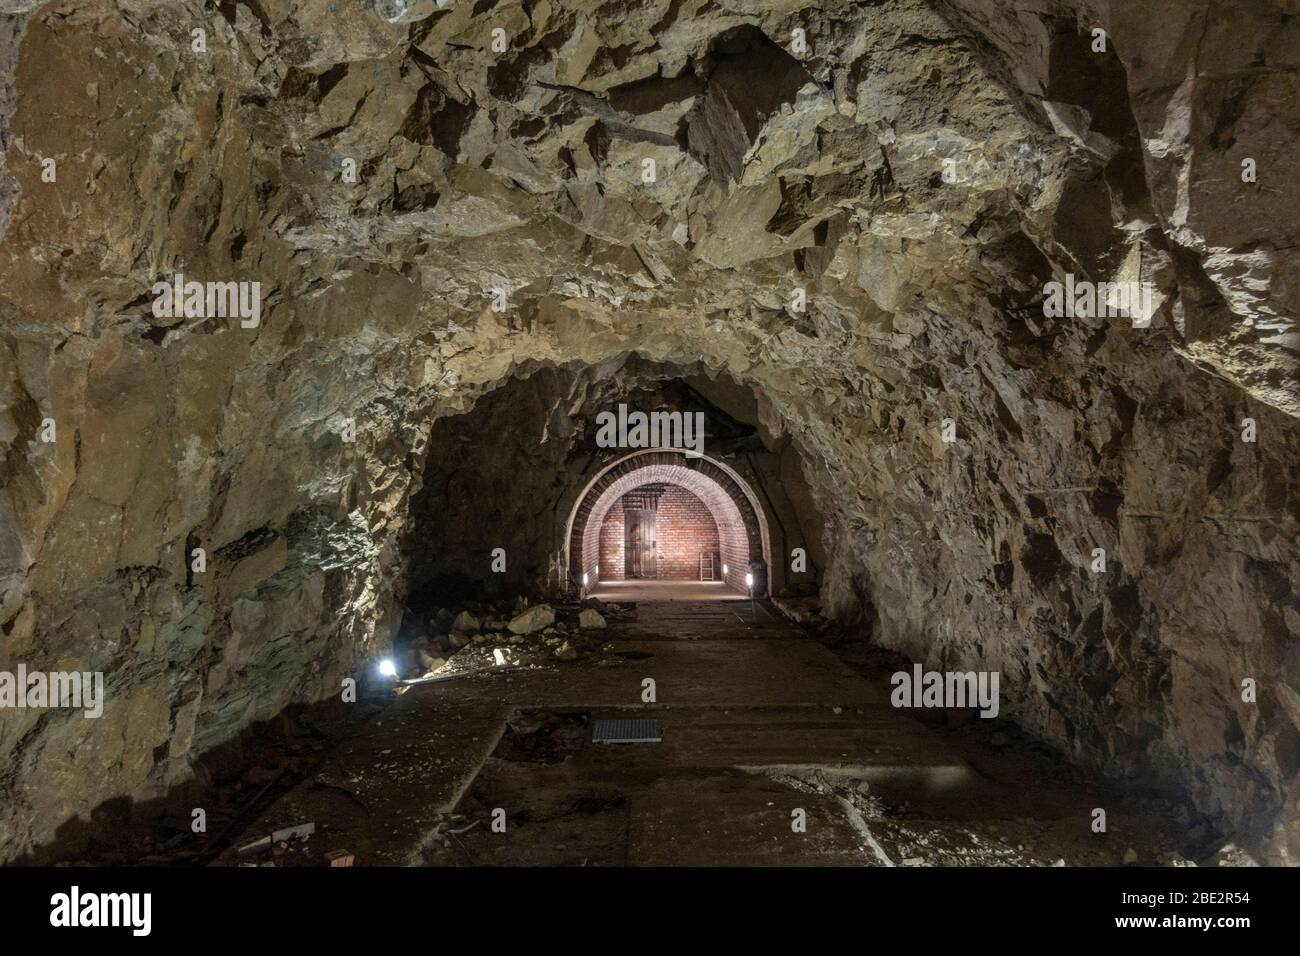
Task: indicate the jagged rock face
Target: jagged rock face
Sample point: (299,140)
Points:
(624,179)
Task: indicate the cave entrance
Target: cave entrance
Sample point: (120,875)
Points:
(664,525)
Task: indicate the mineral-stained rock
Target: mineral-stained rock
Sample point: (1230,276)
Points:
(750,83)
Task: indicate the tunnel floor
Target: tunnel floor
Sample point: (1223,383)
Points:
(762,725)
(643,592)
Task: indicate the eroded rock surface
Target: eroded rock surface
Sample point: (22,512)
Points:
(661,179)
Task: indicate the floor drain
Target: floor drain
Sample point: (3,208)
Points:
(627,731)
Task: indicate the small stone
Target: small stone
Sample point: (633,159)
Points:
(534,619)
(466,623)
(591,620)
(566,652)
(1130,856)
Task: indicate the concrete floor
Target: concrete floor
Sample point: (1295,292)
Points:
(633,592)
(761,724)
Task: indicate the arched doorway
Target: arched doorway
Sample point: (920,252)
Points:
(662,515)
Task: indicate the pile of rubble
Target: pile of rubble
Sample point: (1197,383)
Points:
(482,636)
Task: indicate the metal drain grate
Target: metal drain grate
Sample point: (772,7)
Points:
(627,731)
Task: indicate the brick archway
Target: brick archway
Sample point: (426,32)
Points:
(742,527)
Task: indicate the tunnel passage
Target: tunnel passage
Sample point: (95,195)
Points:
(660,532)
(521,468)
(636,486)
(915,196)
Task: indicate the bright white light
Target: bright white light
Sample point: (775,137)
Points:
(724,570)
(749,580)
(387,668)
(584,580)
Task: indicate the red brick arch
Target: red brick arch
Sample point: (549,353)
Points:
(742,528)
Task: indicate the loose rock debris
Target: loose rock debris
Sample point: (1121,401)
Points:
(279,838)
(441,646)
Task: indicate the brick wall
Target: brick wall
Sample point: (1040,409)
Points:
(611,544)
(684,527)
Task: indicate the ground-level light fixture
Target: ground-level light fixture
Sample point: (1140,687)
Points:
(724,570)
(387,668)
(584,580)
(749,580)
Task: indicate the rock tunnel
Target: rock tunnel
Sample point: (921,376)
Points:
(309,314)
(710,529)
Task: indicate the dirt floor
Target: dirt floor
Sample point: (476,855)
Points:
(776,749)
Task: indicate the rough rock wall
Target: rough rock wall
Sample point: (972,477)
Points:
(522,175)
(494,479)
